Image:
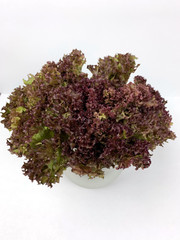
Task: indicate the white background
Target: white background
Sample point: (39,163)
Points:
(139,204)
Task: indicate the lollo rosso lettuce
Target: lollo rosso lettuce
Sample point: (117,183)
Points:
(61,118)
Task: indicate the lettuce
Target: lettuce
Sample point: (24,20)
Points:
(61,118)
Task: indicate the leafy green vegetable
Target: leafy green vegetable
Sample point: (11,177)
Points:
(61,118)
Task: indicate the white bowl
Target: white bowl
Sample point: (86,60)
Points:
(110,174)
